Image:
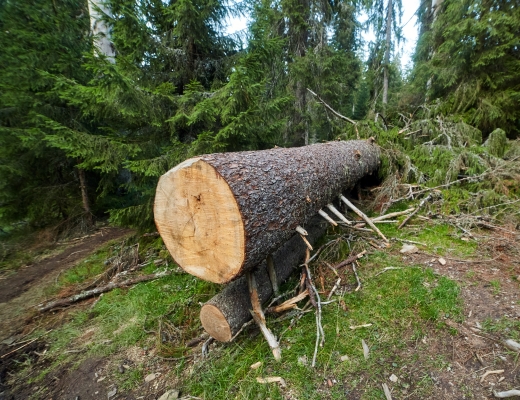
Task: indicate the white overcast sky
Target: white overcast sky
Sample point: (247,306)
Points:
(410,31)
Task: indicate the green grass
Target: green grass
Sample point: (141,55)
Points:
(495,284)
(440,238)
(401,305)
(507,328)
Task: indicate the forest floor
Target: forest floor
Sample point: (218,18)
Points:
(435,321)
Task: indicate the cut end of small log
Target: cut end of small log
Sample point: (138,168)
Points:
(199,220)
(215,323)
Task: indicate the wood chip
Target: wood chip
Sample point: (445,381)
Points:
(271,379)
(388,395)
(442,261)
(360,326)
(512,345)
(509,393)
(256,365)
(409,249)
(366,350)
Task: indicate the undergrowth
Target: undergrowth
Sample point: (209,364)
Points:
(402,305)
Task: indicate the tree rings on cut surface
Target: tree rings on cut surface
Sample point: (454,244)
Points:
(215,323)
(198,218)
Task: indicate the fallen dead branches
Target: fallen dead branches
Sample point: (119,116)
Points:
(421,204)
(362,215)
(99,290)
(349,260)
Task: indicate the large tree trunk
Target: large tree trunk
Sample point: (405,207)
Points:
(222,214)
(223,315)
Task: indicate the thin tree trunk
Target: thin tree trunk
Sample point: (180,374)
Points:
(84,195)
(387,52)
(298,37)
(436,6)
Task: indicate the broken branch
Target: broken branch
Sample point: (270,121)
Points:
(258,316)
(421,204)
(99,290)
(362,215)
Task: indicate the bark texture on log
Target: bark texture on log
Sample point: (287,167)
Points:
(222,214)
(223,315)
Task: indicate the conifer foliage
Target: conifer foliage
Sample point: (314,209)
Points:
(84,135)
(470,62)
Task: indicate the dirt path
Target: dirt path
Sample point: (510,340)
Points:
(18,292)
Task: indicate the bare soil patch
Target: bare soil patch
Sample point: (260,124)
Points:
(14,285)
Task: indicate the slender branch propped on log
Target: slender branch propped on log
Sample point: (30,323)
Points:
(99,290)
(258,316)
(327,218)
(349,260)
(309,246)
(421,204)
(320,334)
(301,231)
(392,215)
(362,215)
(338,214)
(288,304)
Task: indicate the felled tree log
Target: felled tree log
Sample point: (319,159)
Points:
(223,315)
(221,214)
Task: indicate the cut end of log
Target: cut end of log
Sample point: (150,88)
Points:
(199,220)
(215,323)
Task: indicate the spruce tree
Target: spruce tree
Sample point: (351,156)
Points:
(470,63)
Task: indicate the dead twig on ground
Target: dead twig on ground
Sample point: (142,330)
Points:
(349,260)
(357,277)
(421,204)
(103,289)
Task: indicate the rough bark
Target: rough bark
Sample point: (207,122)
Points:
(224,315)
(261,196)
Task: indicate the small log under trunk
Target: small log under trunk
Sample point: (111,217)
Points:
(223,315)
(222,214)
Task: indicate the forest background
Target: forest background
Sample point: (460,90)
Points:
(85,132)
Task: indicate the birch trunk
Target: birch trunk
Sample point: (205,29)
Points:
(100,30)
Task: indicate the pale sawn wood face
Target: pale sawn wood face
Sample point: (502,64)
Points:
(215,323)
(198,218)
